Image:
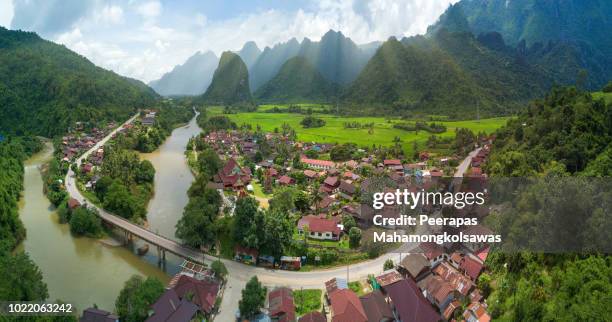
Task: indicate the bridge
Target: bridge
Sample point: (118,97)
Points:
(162,243)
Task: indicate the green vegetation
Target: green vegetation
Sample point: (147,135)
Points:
(21,279)
(31,66)
(253,298)
(312,122)
(230,83)
(567,126)
(534,286)
(388,264)
(548,34)
(381,134)
(297,81)
(196,227)
(136,297)
(219,269)
(306,301)
(85,222)
(354,237)
(149,138)
(126,183)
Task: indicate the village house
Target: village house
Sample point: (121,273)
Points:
(285,180)
(376,308)
(476,312)
(310,175)
(408,303)
(347,190)
(330,185)
(169,307)
(233,176)
(202,293)
(280,305)
(346,307)
(313,317)
(459,282)
(325,204)
(319,228)
(438,291)
(317,164)
(415,266)
(96,315)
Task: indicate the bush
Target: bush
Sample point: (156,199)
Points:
(85,222)
(608,87)
(306,301)
(312,122)
(219,269)
(388,264)
(354,237)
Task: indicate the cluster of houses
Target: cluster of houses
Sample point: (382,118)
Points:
(148,118)
(422,287)
(190,295)
(79,141)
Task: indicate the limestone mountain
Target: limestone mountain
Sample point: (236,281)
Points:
(296,82)
(45,87)
(270,61)
(230,83)
(249,53)
(190,78)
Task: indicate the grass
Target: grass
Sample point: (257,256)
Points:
(334,131)
(358,288)
(343,243)
(307,301)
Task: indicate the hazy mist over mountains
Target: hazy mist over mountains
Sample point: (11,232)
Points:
(190,78)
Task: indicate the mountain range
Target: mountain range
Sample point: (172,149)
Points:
(45,88)
(190,78)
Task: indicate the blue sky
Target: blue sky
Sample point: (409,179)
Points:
(146,38)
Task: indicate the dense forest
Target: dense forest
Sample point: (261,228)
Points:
(564,139)
(45,88)
(21,278)
(230,83)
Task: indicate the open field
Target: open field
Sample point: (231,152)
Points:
(334,131)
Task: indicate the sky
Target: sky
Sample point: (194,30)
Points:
(144,39)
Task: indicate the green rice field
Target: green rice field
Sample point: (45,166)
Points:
(335,132)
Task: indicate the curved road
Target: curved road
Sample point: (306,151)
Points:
(240,273)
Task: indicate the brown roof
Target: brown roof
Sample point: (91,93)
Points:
(310,174)
(409,302)
(388,278)
(170,308)
(392,162)
(450,309)
(318,224)
(415,264)
(285,180)
(95,315)
(331,181)
(73,203)
(346,307)
(204,291)
(437,288)
(459,281)
(313,317)
(347,187)
(376,307)
(281,305)
(471,267)
(477,311)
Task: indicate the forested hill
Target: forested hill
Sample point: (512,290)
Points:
(297,81)
(45,88)
(563,35)
(568,129)
(230,83)
(564,140)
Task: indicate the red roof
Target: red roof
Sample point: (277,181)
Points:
(204,292)
(346,307)
(73,203)
(313,317)
(285,180)
(320,225)
(310,174)
(471,267)
(281,304)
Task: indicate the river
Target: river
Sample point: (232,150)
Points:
(84,271)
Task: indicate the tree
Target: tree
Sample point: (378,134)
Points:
(278,233)
(283,200)
(85,222)
(388,264)
(102,186)
(196,227)
(301,202)
(120,201)
(219,269)
(136,298)
(354,237)
(348,222)
(244,216)
(145,172)
(21,279)
(209,163)
(253,298)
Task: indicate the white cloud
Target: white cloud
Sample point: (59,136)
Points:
(6,13)
(144,40)
(111,14)
(150,9)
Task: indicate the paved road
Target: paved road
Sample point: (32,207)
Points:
(240,273)
(465,164)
